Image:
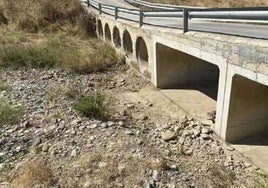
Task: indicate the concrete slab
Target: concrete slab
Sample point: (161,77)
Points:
(256,149)
(195,102)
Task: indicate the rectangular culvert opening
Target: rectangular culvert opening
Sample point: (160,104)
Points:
(187,80)
(247,125)
(248,111)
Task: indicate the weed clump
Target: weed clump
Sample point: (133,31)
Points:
(94,105)
(3,86)
(34,173)
(9,114)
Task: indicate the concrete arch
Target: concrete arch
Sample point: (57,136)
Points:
(116,37)
(108,36)
(127,42)
(100,29)
(142,52)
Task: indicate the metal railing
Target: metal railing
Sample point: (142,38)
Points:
(260,13)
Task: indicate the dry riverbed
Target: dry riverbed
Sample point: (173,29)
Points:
(139,145)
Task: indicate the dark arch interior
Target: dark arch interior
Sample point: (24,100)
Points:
(141,51)
(116,37)
(107,33)
(127,42)
(100,29)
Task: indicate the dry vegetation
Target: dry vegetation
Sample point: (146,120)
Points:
(34,172)
(47,33)
(215,3)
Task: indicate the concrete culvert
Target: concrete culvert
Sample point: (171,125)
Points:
(107,33)
(100,29)
(127,42)
(187,80)
(248,112)
(116,37)
(142,52)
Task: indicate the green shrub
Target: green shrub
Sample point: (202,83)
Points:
(94,105)
(9,114)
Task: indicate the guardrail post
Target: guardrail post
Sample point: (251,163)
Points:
(116,13)
(141,17)
(87,3)
(185,20)
(100,8)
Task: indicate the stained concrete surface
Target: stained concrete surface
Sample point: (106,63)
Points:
(256,149)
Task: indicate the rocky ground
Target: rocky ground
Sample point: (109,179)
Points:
(138,146)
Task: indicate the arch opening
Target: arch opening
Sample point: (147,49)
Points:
(107,33)
(100,29)
(116,37)
(142,52)
(127,42)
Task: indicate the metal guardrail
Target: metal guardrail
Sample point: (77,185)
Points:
(253,13)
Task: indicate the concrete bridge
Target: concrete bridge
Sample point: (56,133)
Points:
(230,70)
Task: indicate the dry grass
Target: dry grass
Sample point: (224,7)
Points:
(34,173)
(215,3)
(100,169)
(220,177)
(47,15)
(262,181)
(61,50)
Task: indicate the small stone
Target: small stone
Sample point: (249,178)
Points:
(87,184)
(2,165)
(76,122)
(26,124)
(207,123)
(45,147)
(155,175)
(187,133)
(121,168)
(205,136)
(247,165)
(181,140)
(139,142)
(230,148)
(74,153)
(110,124)
(93,126)
(168,135)
(18,149)
(37,141)
(102,164)
(129,132)
(104,125)
(121,123)
(205,131)
(196,132)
